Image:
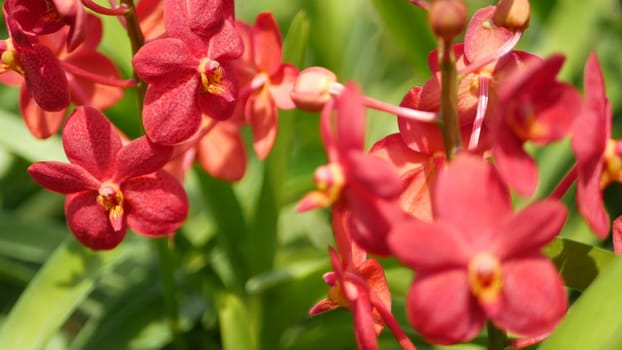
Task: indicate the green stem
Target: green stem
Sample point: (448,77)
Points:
(137,40)
(169,289)
(450,126)
(497,338)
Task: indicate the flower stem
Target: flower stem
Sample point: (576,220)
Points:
(450,126)
(137,40)
(497,338)
(170,291)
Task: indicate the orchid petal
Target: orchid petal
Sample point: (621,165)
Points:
(441,308)
(156,204)
(62,177)
(140,157)
(91,141)
(89,222)
(532,282)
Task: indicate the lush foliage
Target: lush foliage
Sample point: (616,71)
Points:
(174,175)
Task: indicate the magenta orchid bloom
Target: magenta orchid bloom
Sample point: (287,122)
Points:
(267,81)
(111,187)
(189,75)
(535,107)
(479,261)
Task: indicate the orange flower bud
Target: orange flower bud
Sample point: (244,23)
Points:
(312,88)
(448,18)
(512,14)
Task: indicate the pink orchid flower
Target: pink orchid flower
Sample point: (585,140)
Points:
(266,82)
(479,260)
(111,187)
(533,107)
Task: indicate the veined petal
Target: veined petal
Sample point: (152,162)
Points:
(156,204)
(482,36)
(89,222)
(91,141)
(419,136)
(62,177)
(140,157)
(441,308)
(87,92)
(532,282)
(172,115)
(531,228)
(165,61)
(41,123)
(471,196)
(227,44)
(222,153)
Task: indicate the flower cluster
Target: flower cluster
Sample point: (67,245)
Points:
(436,195)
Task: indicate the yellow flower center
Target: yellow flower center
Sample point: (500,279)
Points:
(110,198)
(485,277)
(211,76)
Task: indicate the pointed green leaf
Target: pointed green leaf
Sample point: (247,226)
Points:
(235,325)
(28,240)
(578,263)
(54,293)
(296,40)
(594,321)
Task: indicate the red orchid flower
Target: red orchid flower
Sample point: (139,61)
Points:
(40,17)
(43,74)
(266,81)
(598,155)
(356,283)
(111,187)
(363,185)
(535,107)
(478,260)
(189,75)
(92,78)
(482,73)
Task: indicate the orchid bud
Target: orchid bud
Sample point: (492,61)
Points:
(448,18)
(512,14)
(312,88)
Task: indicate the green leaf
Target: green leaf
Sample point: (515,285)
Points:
(17,139)
(28,240)
(562,25)
(594,321)
(235,325)
(578,263)
(54,293)
(296,41)
(408,25)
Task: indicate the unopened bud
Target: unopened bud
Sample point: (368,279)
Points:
(312,88)
(448,18)
(512,14)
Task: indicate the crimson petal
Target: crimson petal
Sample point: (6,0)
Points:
(89,222)
(62,177)
(156,204)
(91,141)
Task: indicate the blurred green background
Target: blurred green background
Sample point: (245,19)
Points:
(246,267)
